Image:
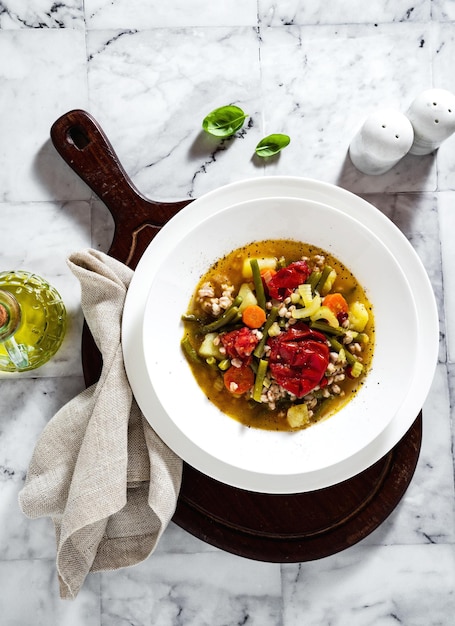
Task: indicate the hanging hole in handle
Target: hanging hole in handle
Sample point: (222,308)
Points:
(77,137)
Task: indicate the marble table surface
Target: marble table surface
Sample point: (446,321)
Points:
(149,71)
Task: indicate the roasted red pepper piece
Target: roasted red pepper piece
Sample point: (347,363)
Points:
(239,343)
(288,278)
(298,359)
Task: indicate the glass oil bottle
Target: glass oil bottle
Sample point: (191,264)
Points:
(32,321)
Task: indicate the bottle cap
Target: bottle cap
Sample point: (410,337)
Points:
(10,315)
(3,316)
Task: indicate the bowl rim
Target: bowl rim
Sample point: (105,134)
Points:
(324,444)
(353,205)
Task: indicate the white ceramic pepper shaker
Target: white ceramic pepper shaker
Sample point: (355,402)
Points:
(432,115)
(384,138)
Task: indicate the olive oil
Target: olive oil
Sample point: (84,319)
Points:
(33,321)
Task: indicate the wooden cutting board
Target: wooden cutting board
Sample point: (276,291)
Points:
(274,528)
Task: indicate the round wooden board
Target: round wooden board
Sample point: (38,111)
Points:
(274,528)
(298,527)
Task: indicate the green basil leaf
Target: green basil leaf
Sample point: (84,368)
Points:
(272,144)
(224,121)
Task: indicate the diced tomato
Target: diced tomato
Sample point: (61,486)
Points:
(288,278)
(239,343)
(238,380)
(298,359)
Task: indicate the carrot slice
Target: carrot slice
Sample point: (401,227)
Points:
(238,380)
(253,316)
(336,303)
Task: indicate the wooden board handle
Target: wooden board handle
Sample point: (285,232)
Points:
(82,143)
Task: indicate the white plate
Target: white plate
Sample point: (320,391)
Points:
(427,323)
(184,404)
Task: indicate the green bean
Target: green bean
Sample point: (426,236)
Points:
(259,380)
(313,279)
(224,365)
(231,314)
(336,345)
(189,350)
(350,358)
(324,276)
(326,328)
(259,350)
(258,286)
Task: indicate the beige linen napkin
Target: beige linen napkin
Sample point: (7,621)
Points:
(99,470)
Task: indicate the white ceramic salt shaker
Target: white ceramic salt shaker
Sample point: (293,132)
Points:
(384,138)
(432,115)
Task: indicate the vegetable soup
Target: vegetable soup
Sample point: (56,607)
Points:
(279,334)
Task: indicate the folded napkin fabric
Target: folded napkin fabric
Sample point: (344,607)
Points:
(99,471)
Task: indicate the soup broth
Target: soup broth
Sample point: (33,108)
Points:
(310,366)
